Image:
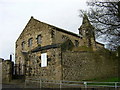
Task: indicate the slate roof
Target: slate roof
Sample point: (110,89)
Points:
(39,48)
(59,29)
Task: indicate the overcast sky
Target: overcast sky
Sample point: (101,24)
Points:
(16,13)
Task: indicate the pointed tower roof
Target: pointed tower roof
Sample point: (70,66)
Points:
(85,19)
(86,23)
(86,26)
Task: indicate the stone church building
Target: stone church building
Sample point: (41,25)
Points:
(46,51)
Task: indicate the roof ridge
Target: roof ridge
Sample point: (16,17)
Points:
(58,28)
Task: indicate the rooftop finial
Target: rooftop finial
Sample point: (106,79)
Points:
(85,19)
(32,17)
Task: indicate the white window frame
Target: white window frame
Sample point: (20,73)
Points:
(30,42)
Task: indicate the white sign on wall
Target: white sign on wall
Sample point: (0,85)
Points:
(44,60)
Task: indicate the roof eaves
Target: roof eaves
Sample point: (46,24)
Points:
(39,48)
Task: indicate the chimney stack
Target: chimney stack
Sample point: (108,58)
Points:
(10,57)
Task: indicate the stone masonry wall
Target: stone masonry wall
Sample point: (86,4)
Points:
(87,66)
(32,30)
(53,69)
(61,37)
(7,70)
(49,35)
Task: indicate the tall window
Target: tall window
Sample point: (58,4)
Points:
(52,34)
(30,42)
(23,45)
(39,39)
(44,60)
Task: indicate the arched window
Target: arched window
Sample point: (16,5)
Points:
(39,39)
(52,34)
(30,42)
(23,45)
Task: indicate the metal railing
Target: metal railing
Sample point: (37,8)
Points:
(44,83)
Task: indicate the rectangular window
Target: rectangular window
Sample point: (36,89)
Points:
(44,60)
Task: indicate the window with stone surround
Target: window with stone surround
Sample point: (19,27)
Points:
(30,42)
(23,45)
(39,39)
(52,34)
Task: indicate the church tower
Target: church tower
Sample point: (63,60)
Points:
(86,30)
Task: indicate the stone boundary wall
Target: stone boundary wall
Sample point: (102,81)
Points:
(88,66)
(7,70)
(53,69)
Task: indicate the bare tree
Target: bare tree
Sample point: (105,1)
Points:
(105,17)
